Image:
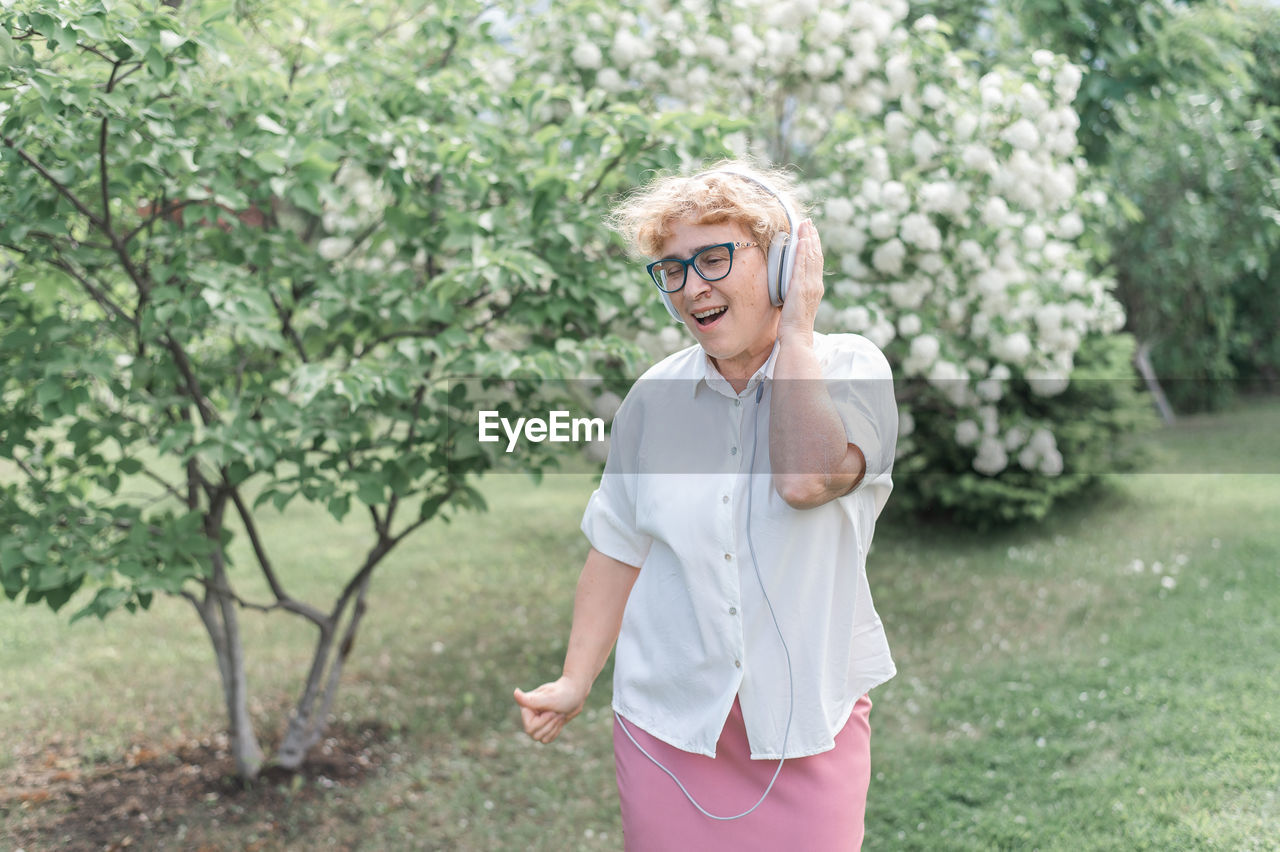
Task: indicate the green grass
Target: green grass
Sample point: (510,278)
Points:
(1103,681)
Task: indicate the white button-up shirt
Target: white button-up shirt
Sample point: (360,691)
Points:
(697,631)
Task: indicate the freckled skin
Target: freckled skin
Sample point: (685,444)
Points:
(740,341)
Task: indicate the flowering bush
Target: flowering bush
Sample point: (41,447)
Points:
(955,223)
(951,208)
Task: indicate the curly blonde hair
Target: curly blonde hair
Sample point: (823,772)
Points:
(712,195)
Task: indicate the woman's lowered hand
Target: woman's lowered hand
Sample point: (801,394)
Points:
(546,710)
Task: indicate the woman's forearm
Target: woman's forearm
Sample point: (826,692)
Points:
(812,459)
(603,589)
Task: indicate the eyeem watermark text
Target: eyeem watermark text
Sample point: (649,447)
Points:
(558,428)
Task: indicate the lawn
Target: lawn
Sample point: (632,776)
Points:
(1106,680)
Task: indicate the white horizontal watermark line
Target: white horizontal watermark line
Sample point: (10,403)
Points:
(558,428)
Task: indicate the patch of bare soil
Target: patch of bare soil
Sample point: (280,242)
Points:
(149,799)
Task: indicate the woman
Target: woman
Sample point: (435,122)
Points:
(729,536)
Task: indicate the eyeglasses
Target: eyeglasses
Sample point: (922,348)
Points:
(711,263)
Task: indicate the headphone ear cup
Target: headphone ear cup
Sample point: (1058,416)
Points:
(788,266)
(782,258)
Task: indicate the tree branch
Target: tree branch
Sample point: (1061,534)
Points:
(96,52)
(286,325)
(418,333)
(610,166)
(167,486)
(102,166)
(375,555)
(369,231)
(194,479)
(386,543)
(433,219)
(70,241)
(160,211)
(98,295)
(24,467)
(448,51)
(55,183)
(283,600)
(137,67)
(319,720)
(207,415)
(98,222)
(226,591)
(394,503)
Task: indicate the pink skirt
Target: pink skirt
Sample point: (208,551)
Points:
(817,804)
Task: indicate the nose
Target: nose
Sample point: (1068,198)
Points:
(695,286)
(694,290)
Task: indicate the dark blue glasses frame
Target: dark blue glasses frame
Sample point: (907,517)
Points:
(660,270)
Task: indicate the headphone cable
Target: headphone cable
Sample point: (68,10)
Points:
(755,440)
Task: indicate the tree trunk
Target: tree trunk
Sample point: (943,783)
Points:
(218,612)
(1142,360)
(307,723)
(220,619)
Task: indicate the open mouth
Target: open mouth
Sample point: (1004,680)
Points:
(710,316)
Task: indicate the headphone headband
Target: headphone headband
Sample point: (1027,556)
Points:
(782,247)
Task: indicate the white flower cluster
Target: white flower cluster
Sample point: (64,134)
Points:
(954,224)
(952,202)
(357,203)
(819,50)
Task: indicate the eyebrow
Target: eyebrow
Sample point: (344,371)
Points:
(695,251)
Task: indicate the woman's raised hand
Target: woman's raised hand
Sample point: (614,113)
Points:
(806,289)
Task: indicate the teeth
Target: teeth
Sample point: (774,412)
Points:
(708,313)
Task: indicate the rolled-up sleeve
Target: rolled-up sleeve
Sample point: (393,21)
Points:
(861,385)
(609,521)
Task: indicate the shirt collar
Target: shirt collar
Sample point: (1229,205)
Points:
(706,374)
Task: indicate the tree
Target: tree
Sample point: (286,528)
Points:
(1121,47)
(1198,171)
(245,253)
(1178,109)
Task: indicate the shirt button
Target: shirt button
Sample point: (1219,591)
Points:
(733,610)
(737,403)
(728,557)
(737,664)
(733,451)
(724,499)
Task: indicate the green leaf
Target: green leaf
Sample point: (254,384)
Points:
(157,64)
(58,597)
(238,472)
(339,505)
(171,41)
(371,491)
(269,161)
(280,499)
(270,125)
(8,55)
(103,603)
(92,27)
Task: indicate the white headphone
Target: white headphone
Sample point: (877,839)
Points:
(782,249)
